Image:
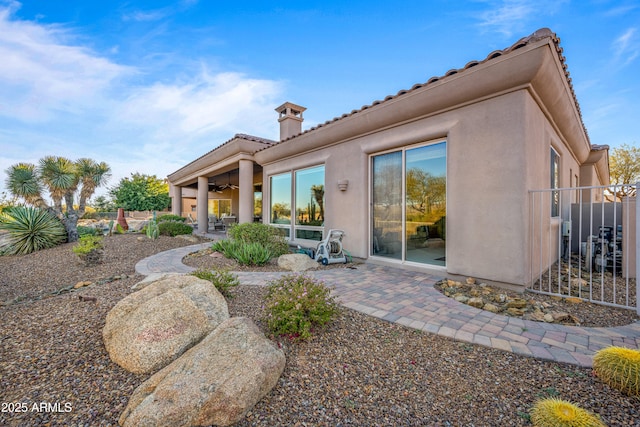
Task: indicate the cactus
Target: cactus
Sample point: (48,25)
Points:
(620,368)
(152,230)
(553,412)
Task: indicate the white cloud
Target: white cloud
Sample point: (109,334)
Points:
(42,73)
(60,97)
(513,16)
(626,47)
(224,102)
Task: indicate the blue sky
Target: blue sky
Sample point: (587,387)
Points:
(148,86)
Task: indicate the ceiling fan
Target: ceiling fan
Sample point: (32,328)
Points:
(218,188)
(228,184)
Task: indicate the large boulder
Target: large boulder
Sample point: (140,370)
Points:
(150,328)
(296,262)
(216,382)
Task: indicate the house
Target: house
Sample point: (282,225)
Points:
(434,177)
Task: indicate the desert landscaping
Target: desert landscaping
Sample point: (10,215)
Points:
(357,371)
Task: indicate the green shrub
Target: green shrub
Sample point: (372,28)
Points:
(554,412)
(267,235)
(620,368)
(251,254)
(171,217)
(174,228)
(89,249)
(222,279)
(296,304)
(227,247)
(30,229)
(86,231)
(244,253)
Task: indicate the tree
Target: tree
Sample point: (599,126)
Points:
(102,204)
(318,196)
(141,193)
(624,168)
(62,178)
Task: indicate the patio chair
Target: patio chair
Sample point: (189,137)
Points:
(192,222)
(228,221)
(215,223)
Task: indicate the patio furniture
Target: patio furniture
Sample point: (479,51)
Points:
(228,221)
(216,223)
(192,222)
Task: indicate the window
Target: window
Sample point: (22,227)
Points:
(408,217)
(281,199)
(219,207)
(555,183)
(257,202)
(306,193)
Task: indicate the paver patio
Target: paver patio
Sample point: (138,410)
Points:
(410,299)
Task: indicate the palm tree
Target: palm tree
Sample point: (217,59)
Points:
(62,178)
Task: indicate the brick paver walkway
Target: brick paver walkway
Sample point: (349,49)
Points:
(409,298)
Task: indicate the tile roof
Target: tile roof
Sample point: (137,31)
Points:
(540,34)
(267,142)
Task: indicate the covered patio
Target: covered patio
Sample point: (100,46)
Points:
(225,184)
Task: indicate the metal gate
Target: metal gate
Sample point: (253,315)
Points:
(584,243)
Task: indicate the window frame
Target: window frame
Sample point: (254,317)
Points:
(554,184)
(293,228)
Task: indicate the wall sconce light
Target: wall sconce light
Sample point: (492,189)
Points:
(343,184)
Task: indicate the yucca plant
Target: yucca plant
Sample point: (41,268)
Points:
(554,412)
(620,368)
(30,229)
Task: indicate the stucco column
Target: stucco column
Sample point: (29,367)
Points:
(175,192)
(202,204)
(245,195)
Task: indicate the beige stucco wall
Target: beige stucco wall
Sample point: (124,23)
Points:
(488,149)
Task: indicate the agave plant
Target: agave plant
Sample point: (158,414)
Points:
(29,229)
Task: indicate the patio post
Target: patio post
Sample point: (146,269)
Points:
(638,247)
(202,207)
(175,191)
(245,195)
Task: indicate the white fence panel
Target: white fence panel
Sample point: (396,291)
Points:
(585,243)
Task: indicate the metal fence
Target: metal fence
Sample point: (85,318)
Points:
(585,243)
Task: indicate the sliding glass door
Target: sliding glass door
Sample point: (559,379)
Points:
(408,190)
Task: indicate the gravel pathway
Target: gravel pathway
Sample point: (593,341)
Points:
(360,371)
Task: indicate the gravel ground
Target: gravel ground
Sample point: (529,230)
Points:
(359,371)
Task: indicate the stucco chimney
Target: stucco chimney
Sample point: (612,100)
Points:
(290,118)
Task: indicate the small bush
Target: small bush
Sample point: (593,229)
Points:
(256,232)
(89,249)
(296,304)
(244,253)
(170,217)
(222,279)
(554,412)
(251,254)
(225,247)
(30,229)
(173,228)
(620,368)
(87,231)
